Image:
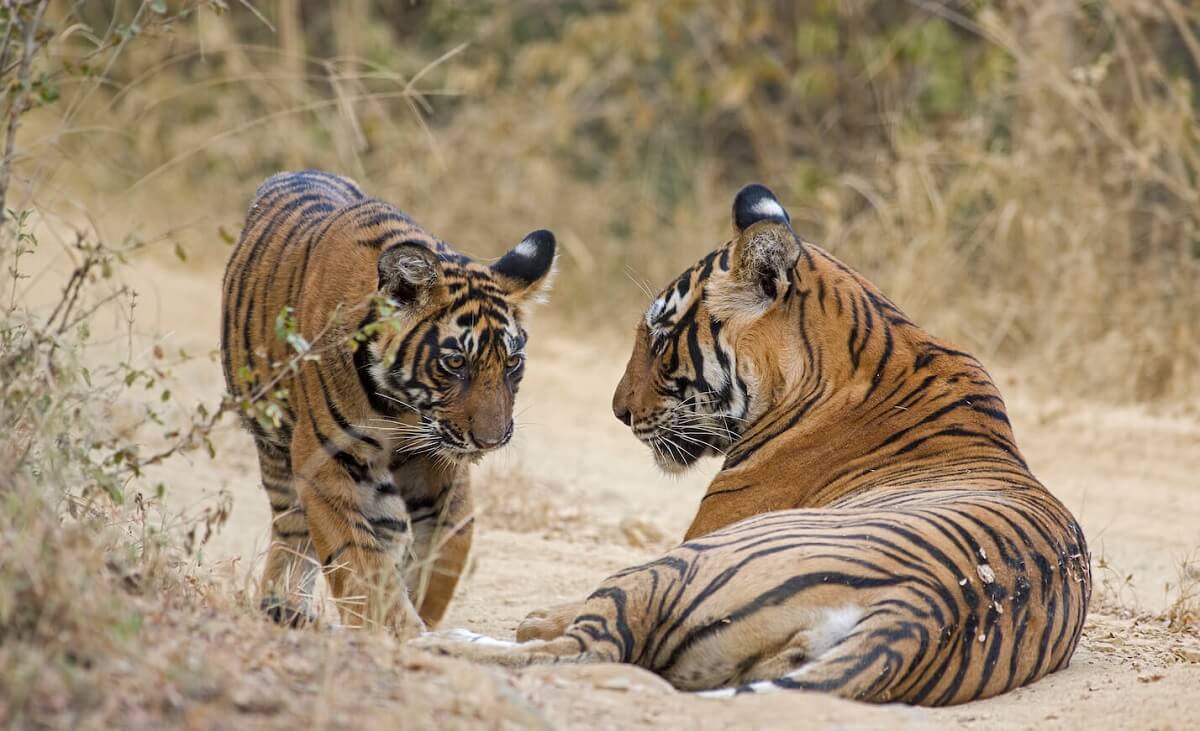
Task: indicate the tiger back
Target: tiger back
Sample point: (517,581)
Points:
(372,364)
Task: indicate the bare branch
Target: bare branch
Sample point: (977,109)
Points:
(20,100)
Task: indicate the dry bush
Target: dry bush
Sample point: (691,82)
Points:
(1183,612)
(80,532)
(1072,240)
(82,536)
(1020,175)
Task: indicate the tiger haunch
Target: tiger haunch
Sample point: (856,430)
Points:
(373,363)
(874,531)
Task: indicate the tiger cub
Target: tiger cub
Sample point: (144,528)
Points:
(874,531)
(373,364)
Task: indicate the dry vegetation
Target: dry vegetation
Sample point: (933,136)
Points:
(1022,175)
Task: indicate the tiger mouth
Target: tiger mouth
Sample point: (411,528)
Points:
(675,450)
(467,454)
(437,444)
(462,449)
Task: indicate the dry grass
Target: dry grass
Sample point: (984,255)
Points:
(1051,217)
(1183,613)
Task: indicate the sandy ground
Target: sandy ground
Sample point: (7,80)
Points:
(576,497)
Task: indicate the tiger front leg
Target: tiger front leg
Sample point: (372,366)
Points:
(468,645)
(442,536)
(362,536)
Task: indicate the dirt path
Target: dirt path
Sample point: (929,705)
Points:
(576,497)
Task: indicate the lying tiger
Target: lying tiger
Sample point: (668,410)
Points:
(874,531)
(373,364)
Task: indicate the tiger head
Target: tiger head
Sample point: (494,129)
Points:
(705,363)
(449,345)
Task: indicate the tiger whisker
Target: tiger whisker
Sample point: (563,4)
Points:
(640,284)
(673,444)
(714,416)
(693,440)
(393,399)
(703,427)
(704,424)
(394,429)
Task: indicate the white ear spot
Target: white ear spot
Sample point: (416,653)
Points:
(768,208)
(527,248)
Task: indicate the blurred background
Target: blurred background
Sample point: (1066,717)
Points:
(1021,176)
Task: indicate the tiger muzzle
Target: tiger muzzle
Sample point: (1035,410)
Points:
(488,412)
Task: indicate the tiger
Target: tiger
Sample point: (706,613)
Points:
(372,364)
(874,532)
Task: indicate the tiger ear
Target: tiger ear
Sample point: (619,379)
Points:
(766,248)
(526,270)
(408,272)
(755,203)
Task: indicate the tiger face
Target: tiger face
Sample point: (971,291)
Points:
(704,362)
(449,352)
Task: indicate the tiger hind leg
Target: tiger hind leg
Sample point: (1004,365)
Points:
(865,659)
(286,587)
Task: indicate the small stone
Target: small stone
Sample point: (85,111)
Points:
(617,683)
(1188,654)
(251,699)
(985,572)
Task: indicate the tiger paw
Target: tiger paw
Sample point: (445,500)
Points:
(406,624)
(457,642)
(547,624)
(288,614)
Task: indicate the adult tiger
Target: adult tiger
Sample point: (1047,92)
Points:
(373,363)
(874,531)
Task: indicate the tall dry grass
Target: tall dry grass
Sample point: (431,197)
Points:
(1021,176)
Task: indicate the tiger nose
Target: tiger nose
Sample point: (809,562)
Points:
(487,438)
(624,415)
(487,442)
(620,404)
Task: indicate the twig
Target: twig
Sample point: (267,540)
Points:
(20,99)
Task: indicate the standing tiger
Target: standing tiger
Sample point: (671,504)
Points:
(372,363)
(874,531)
